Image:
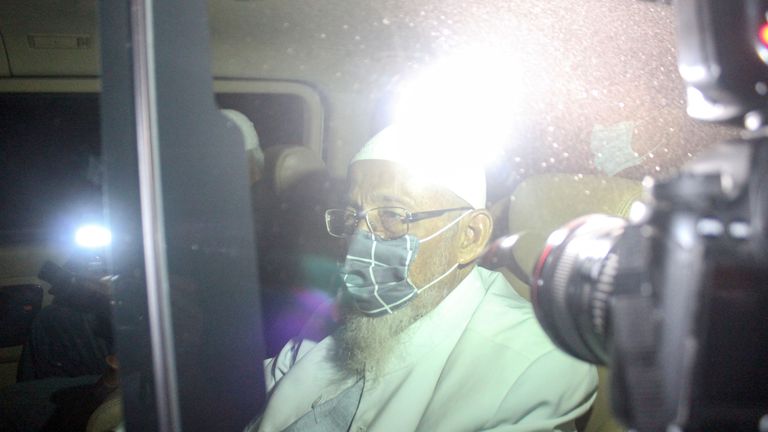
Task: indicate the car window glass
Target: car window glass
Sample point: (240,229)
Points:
(51,177)
(579,88)
(278,118)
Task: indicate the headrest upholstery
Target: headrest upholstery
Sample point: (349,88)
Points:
(289,164)
(542,204)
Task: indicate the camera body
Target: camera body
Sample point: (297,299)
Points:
(676,299)
(722,56)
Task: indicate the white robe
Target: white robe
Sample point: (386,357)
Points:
(478,361)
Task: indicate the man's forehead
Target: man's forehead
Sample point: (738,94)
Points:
(388,181)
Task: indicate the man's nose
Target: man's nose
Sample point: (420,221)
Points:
(362,224)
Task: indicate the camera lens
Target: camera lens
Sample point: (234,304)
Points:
(573,282)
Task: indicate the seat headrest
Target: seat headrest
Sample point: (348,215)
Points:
(108,416)
(288,164)
(544,203)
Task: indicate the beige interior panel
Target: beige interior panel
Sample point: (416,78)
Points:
(44,38)
(49,85)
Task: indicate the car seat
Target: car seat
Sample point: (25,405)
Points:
(297,257)
(539,206)
(294,239)
(108,416)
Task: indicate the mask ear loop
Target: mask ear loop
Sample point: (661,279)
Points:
(450,270)
(442,230)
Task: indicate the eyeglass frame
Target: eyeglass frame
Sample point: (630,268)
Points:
(410,217)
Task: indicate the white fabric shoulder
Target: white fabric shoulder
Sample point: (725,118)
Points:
(569,391)
(276,367)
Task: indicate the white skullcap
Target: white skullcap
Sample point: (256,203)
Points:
(249,134)
(435,158)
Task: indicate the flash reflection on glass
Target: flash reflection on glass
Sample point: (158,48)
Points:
(474,94)
(93,236)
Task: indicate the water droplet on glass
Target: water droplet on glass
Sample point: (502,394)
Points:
(761,88)
(657,168)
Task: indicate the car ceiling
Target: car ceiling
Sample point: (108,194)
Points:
(339,40)
(584,63)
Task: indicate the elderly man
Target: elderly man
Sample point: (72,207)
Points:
(429,341)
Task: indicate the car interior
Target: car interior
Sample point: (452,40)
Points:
(587,93)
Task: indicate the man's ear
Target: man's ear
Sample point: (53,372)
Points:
(476,232)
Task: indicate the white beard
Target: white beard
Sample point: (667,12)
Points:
(364,344)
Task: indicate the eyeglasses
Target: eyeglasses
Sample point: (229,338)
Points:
(387,223)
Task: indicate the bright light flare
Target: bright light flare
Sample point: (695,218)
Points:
(558,237)
(764,34)
(702,108)
(510,241)
(472,96)
(93,236)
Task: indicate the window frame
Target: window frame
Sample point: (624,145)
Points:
(314,121)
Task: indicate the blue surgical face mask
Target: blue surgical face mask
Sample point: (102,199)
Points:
(376,271)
